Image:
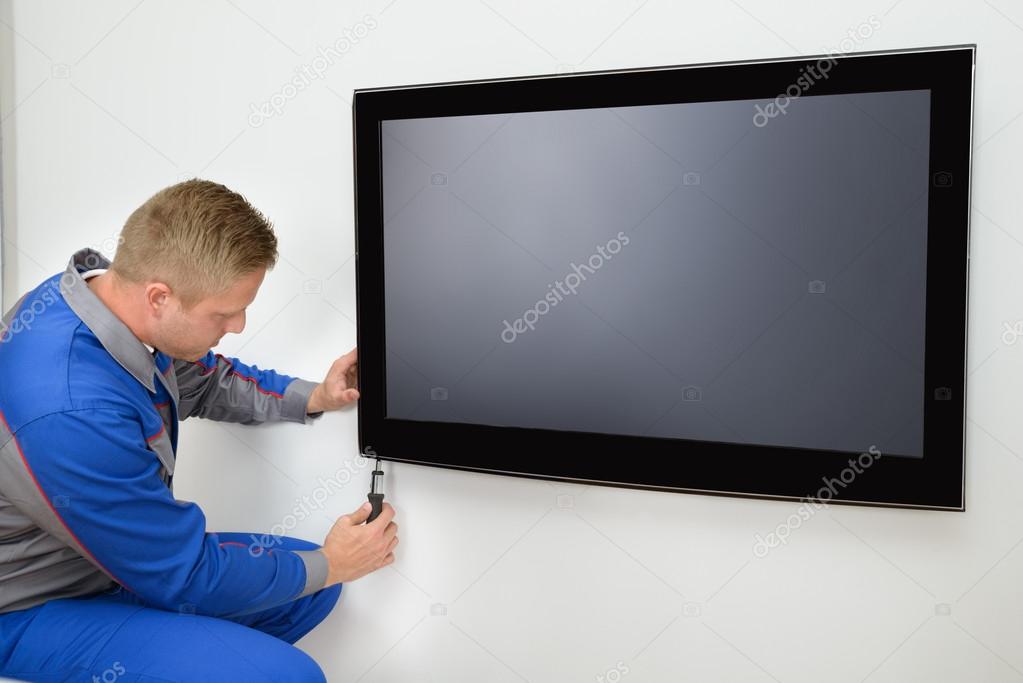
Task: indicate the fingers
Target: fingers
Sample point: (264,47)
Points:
(348,360)
(345,377)
(383,521)
(386,515)
(392,541)
(362,514)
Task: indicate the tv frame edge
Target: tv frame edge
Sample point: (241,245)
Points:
(935,481)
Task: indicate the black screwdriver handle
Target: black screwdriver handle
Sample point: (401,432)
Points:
(377,501)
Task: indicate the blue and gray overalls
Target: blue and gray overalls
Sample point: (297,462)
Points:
(104,575)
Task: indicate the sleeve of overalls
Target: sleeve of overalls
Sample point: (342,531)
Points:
(227,390)
(91,480)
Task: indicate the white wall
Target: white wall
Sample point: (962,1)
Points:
(536,581)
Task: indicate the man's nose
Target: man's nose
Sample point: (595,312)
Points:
(237,324)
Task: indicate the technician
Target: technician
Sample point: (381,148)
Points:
(104,575)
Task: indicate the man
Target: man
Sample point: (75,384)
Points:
(103,574)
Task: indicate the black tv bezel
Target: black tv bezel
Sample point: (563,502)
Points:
(935,481)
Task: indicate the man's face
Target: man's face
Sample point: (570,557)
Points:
(190,334)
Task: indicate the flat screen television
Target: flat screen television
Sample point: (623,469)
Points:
(744,278)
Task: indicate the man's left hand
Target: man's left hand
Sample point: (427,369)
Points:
(339,388)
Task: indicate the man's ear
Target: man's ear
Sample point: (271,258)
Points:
(158,298)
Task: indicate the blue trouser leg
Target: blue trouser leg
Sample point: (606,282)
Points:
(293,620)
(116,637)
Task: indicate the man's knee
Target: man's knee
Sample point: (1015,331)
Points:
(256,656)
(277,662)
(306,614)
(331,594)
(297,666)
(323,602)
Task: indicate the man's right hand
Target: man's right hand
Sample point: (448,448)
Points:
(354,549)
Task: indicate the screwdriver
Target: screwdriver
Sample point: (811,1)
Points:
(376,496)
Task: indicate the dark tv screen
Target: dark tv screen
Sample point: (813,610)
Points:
(665,270)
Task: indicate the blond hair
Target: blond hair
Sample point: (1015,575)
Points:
(198,237)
